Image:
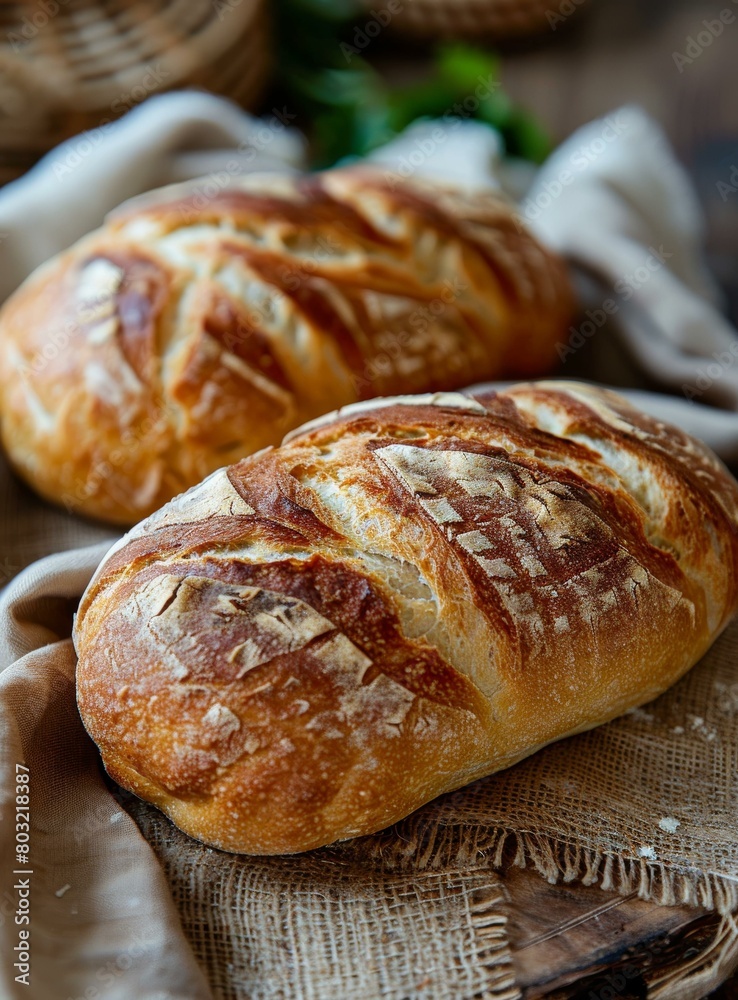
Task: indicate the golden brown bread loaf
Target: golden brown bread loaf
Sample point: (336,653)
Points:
(201,324)
(404,597)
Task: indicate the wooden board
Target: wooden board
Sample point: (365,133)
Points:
(573,942)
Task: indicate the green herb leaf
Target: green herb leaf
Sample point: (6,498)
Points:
(348,109)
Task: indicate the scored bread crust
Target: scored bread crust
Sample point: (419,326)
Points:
(407,595)
(201,324)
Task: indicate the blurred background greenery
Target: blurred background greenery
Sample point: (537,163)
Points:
(352,108)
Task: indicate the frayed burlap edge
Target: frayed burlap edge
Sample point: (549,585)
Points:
(489,923)
(493,947)
(428,844)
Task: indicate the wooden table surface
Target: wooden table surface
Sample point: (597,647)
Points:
(573,942)
(615,52)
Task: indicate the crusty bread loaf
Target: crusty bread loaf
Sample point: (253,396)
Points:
(405,596)
(202,323)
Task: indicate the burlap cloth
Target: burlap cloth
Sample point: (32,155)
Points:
(122,905)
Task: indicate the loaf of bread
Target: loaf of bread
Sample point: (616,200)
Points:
(201,324)
(406,596)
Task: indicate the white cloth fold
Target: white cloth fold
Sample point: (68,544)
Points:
(615,202)
(168,138)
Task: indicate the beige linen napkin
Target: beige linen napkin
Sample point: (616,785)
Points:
(103,924)
(101,921)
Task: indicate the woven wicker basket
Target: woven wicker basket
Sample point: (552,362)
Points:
(71,65)
(497,20)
